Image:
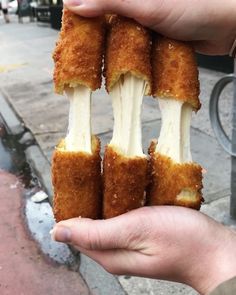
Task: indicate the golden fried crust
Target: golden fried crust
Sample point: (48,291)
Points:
(175,72)
(125,180)
(168,179)
(128,49)
(76,178)
(78,53)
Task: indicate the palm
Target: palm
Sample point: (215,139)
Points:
(147,241)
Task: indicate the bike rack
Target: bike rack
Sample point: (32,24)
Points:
(228,145)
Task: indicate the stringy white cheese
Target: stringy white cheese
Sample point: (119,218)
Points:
(174,140)
(79,131)
(127,96)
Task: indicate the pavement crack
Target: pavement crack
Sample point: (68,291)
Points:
(202,131)
(151,121)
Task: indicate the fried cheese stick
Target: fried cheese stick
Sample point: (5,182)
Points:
(128,78)
(176,180)
(76,163)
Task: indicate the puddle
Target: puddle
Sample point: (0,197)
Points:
(12,158)
(38,212)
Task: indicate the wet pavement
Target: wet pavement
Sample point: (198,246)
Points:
(12,158)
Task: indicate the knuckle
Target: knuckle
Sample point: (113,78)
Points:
(93,239)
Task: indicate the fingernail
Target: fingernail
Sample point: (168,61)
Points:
(73,2)
(62,234)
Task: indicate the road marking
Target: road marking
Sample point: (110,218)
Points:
(7,68)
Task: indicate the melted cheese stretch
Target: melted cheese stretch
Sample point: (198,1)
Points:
(174,140)
(78,138)
(127,96)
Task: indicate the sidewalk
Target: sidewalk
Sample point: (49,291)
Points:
(26,83)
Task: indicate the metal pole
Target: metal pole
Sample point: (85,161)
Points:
(228,145)
(233,157)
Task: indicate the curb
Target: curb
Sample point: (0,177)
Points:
(11,120)
(97,279)
(41,166)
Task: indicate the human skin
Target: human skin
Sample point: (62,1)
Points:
(210,24)
(163,242)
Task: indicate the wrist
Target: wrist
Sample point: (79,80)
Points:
(220,263)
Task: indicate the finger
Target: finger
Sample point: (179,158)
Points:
(90,8)
(127,231)
(211,47)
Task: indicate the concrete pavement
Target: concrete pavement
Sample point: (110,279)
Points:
(26,83)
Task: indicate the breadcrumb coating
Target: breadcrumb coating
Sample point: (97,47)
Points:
(175,72)
(128,49)
(125,180)
(76,178)
(78,53)
(169,179)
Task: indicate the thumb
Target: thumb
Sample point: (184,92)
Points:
(91,8)
(123,232)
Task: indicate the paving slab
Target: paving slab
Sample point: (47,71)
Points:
(142,286)
(31,100)
(25,52)
(23,268)
(48,141)
(100,282)
(219,210)
(12,121)
(201,120)
(41,110)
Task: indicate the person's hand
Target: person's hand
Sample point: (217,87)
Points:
(164,242)
(211,24)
